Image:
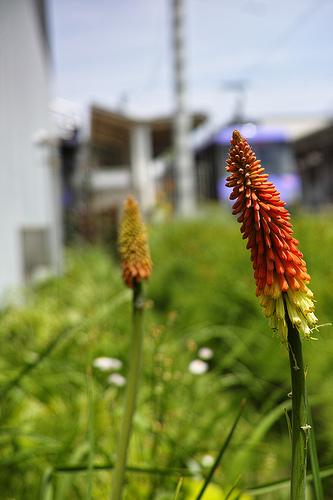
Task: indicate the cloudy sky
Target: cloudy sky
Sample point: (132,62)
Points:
(117,53)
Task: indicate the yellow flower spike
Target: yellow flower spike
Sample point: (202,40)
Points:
(134,252)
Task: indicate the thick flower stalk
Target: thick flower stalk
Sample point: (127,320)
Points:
(133,247)
(136,264)
(279,269)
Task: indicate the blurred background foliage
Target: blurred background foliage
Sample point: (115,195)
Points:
(59,410)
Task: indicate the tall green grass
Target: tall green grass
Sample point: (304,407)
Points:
(201,294)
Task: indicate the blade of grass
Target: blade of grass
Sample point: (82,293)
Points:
(163,471)
(63,335)
(288,425)
(180,482)
(285,483)
(233,487)
(64,481)
(259,432)
(47,490)
(25,455)
(318,487)
(29,367)
(263,489)
(220,455)
(90,432)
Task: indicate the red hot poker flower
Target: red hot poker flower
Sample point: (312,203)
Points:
(133,246)
(279,269)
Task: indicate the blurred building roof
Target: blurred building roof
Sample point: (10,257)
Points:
(255,133)
(298,126)
(110,129)
(280,129)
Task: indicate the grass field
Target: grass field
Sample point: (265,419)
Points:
(60,412)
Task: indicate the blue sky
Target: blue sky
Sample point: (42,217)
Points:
(118,53)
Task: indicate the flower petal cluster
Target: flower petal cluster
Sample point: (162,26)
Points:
(133,247)
(104,363)
(279,269)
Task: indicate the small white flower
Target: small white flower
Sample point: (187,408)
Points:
(198,367)
(205,353)
(207,460)
(117,379)
(193,466)
(31,357)
(105,364)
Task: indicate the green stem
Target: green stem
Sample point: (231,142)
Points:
(299,421)
(318,487)
(131,392)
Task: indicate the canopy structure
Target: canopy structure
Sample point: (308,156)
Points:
(113,131)
(123,152)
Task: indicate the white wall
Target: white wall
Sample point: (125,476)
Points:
(27,197)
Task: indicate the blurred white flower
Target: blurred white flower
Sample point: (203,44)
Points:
(105,364)
(117,379)
(198,367)
(205,353)
(207,460)
(194,467)
(31,357)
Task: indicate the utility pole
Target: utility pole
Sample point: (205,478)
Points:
(239,87)
(184,164)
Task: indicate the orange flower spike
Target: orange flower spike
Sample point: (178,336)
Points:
(134,252)
(280,273)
